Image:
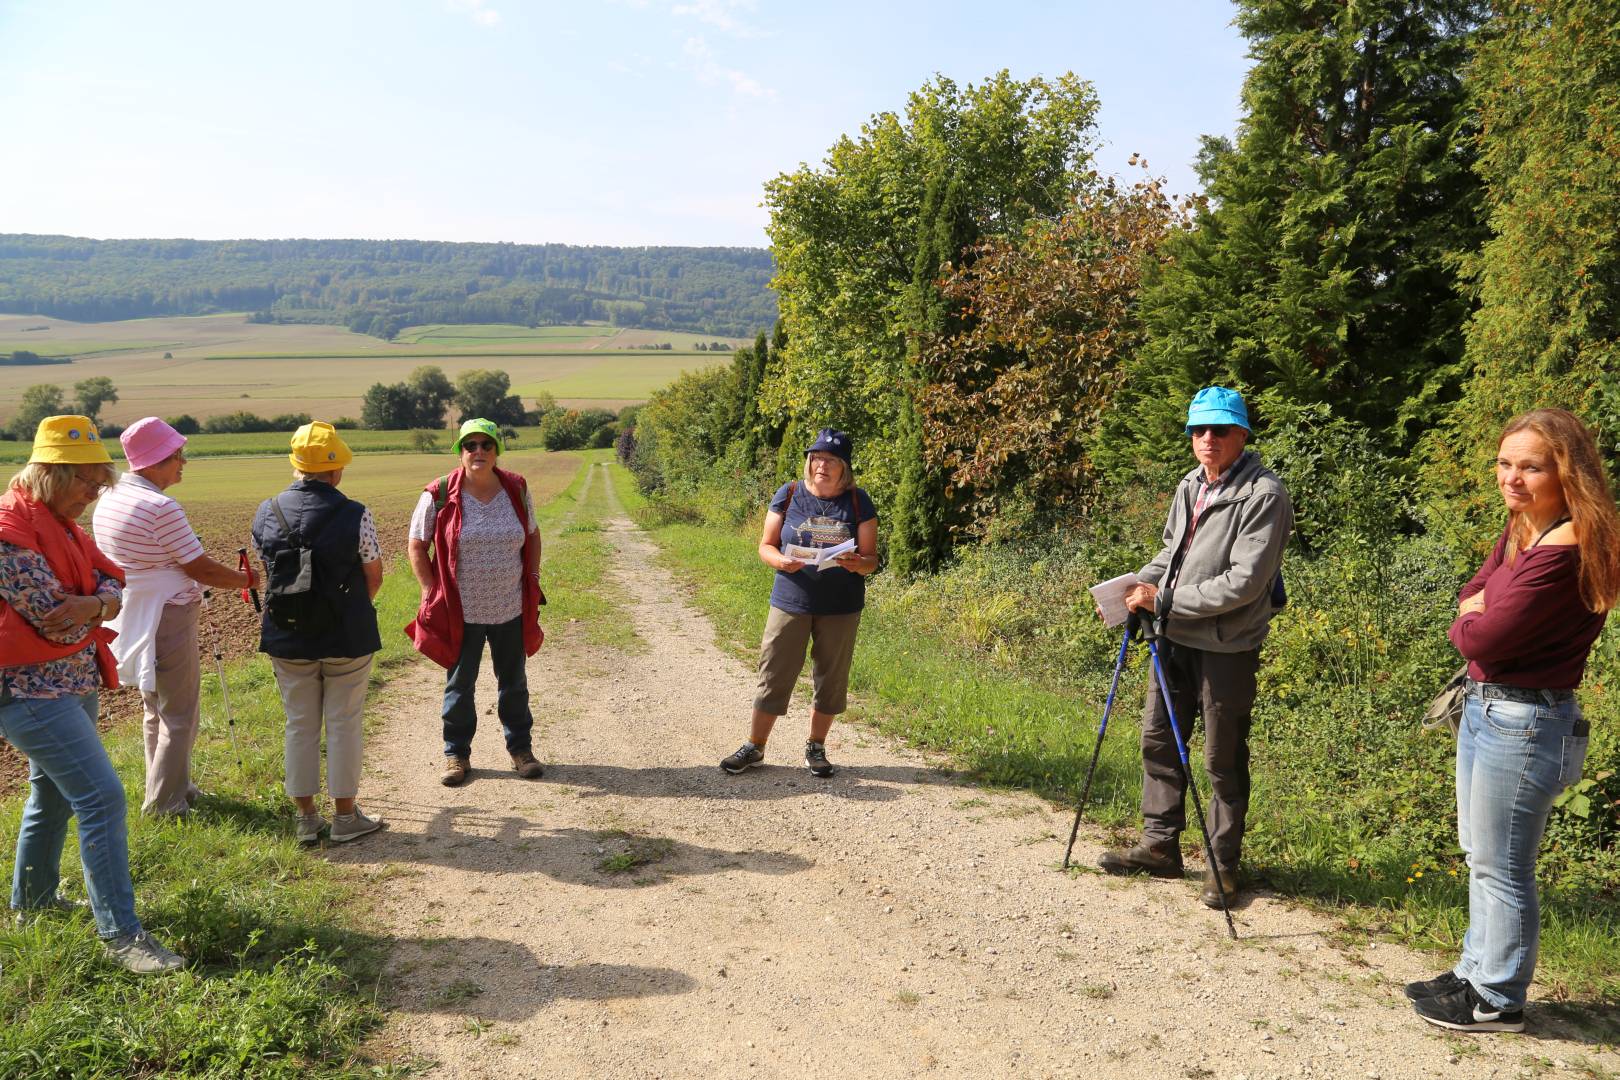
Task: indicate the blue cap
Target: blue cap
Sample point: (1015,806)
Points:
(829,441)
(1217,405)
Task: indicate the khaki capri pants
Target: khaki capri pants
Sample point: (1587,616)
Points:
(327,693)
(830,640)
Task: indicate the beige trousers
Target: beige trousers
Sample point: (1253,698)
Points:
(830,640)
(170,722)
(316,692)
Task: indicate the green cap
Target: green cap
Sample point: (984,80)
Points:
(480,426)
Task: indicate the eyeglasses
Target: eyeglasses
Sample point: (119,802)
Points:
(477,444)
(1220,431)
(93,486)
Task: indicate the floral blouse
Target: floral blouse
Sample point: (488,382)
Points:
(28,585)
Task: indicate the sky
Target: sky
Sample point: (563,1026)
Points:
(622,122)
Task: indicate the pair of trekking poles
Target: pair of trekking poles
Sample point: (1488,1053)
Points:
(1141,626)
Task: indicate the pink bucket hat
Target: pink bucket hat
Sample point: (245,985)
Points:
(149,441)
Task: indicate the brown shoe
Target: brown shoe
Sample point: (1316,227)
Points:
(1211,892)
(524,765)
(455,770)
(1142,858)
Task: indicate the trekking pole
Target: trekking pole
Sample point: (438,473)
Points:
(224,687)
(1152,636)
(242,565)
(1102,728)
(1186,774)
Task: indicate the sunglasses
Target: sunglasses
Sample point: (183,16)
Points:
(1220,431)
(477,444)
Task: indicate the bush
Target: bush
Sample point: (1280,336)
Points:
(185,424)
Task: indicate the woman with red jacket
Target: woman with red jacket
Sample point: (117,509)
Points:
(56,591)
(480,582)
(1526,623)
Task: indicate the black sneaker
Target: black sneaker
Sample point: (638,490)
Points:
(815,759)
(1463,1010)
(1440,984)
(747,756)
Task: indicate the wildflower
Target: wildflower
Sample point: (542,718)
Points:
(1409,881)
(1419,874)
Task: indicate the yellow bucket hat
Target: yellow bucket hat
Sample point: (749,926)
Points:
(316,448)
(68,440)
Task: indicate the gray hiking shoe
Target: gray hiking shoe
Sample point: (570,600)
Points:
(309,828)
(747,756)
(815,758)
(141,954)
(346,827)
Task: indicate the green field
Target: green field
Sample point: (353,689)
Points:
(222,363)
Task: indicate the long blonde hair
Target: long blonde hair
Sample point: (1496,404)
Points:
(49,481)
(1587,494)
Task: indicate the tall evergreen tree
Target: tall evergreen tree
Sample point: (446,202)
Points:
(1323,267)
(1547,87)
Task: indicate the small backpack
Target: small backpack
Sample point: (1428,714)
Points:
(295,600)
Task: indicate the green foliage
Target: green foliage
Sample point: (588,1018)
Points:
(244,423)
(38,402)
(418,402)
(573,429)
(1323,266)
(382,286)
(91,394)
(185,424)
(487,394)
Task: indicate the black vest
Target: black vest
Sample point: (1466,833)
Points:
(329,523)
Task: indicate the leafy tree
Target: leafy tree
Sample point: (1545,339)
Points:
(486,393)
(1547,85)
(1324,263)
(846,236)
(433,392)
(38,402)
(93,393)
(388,407)
(1014,396)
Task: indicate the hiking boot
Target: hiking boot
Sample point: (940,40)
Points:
(56,905)
(455,770)
(815,759)
(1142,858)
(346,827)
(1210,894)
(747,756)
(524,764)
(141,954)
(1464,1010)
(309,828)
(1441,984)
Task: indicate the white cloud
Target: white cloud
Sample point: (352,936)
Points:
(720,14)
(710,71)
(478,11)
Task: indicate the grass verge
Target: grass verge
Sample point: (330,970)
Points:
(284,967)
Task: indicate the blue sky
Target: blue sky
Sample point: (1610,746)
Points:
(605,122)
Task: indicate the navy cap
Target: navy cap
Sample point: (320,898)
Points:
(830,441)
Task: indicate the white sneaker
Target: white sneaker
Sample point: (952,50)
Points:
(353,826)
(309,828)
(141,954)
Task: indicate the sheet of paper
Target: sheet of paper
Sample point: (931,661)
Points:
(1110,598)
(818,557)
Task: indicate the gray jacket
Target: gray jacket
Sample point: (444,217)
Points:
(1222,600)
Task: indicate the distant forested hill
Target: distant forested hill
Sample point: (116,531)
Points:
(381,286)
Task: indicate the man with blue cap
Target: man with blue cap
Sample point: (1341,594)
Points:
(1215,585)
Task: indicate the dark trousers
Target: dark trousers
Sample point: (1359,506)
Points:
(511,679)
(1220,687)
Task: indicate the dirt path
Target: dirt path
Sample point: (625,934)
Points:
(888,922)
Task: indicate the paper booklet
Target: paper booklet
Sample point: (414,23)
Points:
(818,557)
(1110,598)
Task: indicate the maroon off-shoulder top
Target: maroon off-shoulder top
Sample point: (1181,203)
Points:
(1534,632)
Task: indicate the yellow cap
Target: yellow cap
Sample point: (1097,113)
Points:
(68,440)
(317,448)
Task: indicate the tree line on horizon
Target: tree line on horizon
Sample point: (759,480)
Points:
(1413,236)
(380,287)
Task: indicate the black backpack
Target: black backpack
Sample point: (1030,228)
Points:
(293,597)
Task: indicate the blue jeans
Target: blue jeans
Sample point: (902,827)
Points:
(69,775)
(1513,759)
(511,680)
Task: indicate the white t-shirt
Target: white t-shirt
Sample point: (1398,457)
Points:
(140,528)
(490,571)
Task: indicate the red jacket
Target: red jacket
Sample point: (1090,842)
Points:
(74,559)
(437,629)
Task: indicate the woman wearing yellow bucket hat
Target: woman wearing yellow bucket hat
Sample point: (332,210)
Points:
(480,582)
(56,590)
(322,662)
